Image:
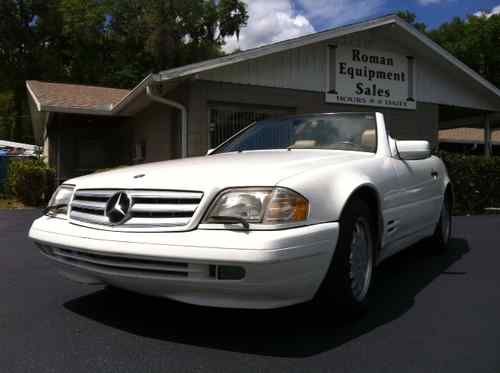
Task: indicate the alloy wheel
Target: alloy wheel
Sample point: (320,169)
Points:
(361,260)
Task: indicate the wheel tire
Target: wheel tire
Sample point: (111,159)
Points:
(441,237)
(341,286)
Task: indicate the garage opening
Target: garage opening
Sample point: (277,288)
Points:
(225,121)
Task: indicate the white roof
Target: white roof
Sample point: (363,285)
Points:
(18,145)
(196,68)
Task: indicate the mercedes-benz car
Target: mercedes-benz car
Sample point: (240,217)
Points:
(287,210)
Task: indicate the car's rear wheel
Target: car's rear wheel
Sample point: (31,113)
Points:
(348,280)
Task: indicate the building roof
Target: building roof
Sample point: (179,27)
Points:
(110,101)
(467,136)
(12,144)
(71,97)
(196,68)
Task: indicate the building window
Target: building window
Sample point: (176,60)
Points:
(227,121)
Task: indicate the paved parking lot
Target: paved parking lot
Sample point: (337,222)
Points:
(429,314)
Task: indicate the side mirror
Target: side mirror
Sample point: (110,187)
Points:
(210,151)
(413,150)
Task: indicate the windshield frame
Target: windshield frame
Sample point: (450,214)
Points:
(217,149)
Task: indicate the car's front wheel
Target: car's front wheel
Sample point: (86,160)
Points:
(348,281)
(442,234)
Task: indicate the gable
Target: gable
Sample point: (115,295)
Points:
(429,77)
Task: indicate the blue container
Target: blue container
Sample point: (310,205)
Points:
(4,161)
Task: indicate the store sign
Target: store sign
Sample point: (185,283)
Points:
(359,76)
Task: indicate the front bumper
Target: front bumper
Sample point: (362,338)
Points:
(281,267)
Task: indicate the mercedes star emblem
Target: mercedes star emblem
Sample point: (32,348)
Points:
(118,207)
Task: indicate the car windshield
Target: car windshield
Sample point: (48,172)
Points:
(351,131)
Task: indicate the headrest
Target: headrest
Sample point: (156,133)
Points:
(304,144)
(368,138)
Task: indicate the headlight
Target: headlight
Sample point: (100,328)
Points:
(268,206)
(60,200)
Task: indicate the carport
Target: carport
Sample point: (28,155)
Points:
(460,118)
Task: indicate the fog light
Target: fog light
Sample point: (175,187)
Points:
(47,250)
(230,273)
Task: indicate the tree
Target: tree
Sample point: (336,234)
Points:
(475,41)
(411,18)
(84,43)
(27,29)
(160,34)
(102,42)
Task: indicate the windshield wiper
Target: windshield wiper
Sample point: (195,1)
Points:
(230,220)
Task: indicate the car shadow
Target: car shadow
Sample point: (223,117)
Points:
(297,331)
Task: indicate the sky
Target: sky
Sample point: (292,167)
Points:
(275,20)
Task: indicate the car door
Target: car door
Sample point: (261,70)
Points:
(418,196)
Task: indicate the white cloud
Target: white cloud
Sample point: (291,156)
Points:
(276,20)
(270,21)
(339,12)
(482,13)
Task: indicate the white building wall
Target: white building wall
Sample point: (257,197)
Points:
(154,128)
(305,68)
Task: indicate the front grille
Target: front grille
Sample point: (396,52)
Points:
(137,266)
(148,208)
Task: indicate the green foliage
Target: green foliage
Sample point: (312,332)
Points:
(475,182)
(233,16)
(160,34)
(6,116)
(474,40)
(411,18)
(102,42)
(30,181)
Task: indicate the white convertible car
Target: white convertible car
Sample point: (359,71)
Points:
(287,210)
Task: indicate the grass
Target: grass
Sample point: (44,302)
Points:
(10,204)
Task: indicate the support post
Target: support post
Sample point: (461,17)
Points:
(487,136)
(58,151)
(183,110)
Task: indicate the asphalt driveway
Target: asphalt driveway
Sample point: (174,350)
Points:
(429,314)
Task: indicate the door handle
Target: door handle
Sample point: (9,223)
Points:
(434,174)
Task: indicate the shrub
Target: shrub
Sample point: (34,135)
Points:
(30,181)
(476,182)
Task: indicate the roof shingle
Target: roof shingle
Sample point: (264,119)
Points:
(71,96)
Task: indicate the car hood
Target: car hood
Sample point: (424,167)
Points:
(219,171)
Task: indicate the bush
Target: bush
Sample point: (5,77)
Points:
(476,182)
(30,181)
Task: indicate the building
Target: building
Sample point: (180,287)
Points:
(379,65)
(17,149)
(468,140)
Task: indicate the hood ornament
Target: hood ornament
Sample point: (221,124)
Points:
(139,176)
(118,208)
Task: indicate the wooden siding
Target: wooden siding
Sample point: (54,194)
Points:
(304,68)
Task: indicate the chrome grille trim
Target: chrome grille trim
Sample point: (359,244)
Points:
(89,218)
(89,205)
(95,193)
(149,208)
(138,222)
